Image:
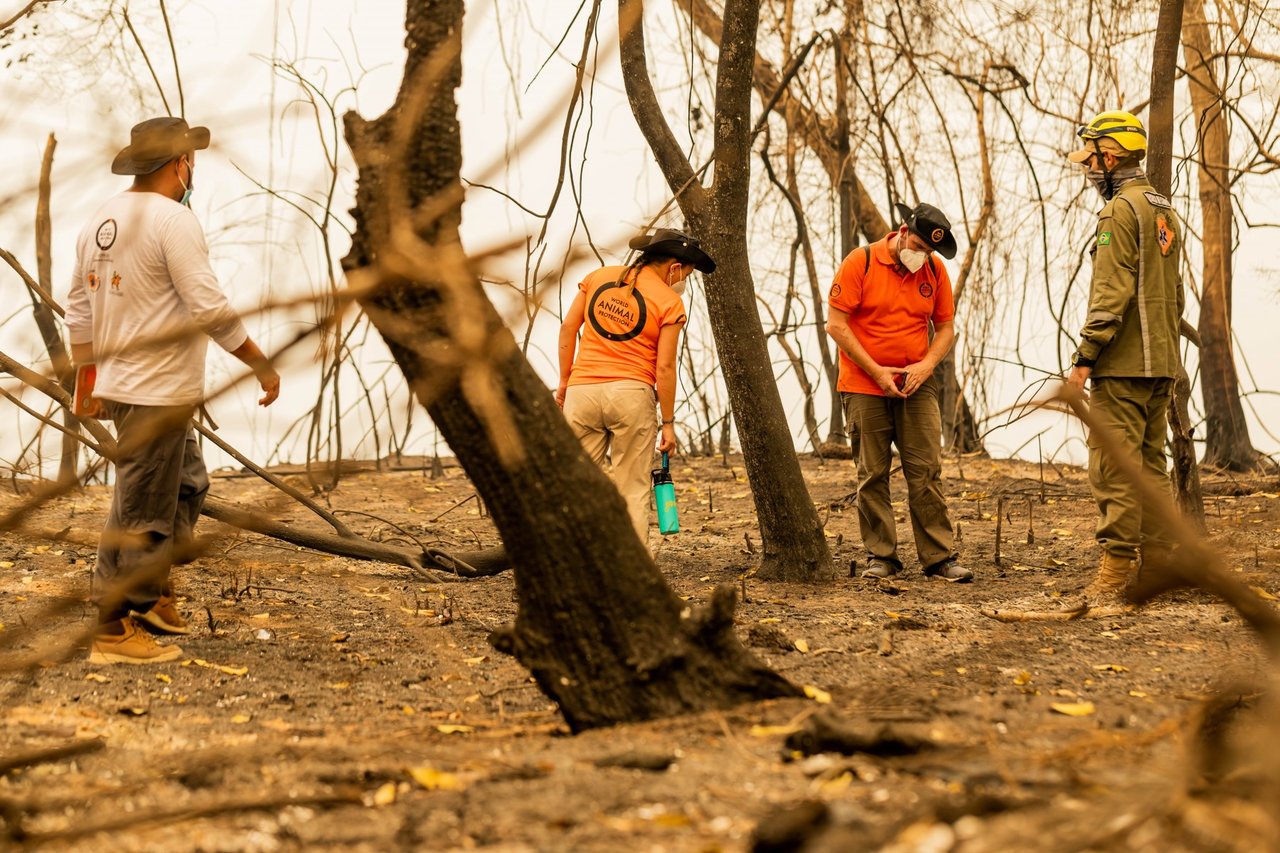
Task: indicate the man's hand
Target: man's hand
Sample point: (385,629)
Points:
(1077,378)
(667,442)
(916,375)
(560,392)
(887,379)
(270,382)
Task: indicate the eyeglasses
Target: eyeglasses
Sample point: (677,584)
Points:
(1087,132)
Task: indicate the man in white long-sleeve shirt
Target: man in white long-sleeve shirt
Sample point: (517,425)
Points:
(144,303)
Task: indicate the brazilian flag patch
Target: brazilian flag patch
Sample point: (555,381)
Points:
(1104,239)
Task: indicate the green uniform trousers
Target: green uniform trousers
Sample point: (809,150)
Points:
(915,426)
(1136,412)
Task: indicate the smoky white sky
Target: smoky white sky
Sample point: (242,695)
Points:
(87,85)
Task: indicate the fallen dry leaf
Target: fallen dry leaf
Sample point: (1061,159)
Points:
(817,694)
(1073,709)
(435,780)
(802,646)
(240,719)
(1262,593)
(772,731)
(1110,667)
(385,795)
(93,676)
(453,729)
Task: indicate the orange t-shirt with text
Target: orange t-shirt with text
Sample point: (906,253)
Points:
(622,323)
(889,310)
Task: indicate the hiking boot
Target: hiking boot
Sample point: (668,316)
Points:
(132,645)
(949,570)
(879,568)
(163,617)
(1107,589)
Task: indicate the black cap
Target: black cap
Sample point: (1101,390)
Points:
(156,141)
(670,243)
(930,225)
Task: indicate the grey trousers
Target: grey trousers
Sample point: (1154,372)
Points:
(915,426)
(161,484)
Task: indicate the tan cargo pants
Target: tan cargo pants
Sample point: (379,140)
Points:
(618,422)
(915,426)
(1136,411)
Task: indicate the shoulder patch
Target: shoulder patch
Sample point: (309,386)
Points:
(1164,234)
(1104,239)
(1157,200)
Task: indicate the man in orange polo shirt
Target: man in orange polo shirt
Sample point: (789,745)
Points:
(882,301)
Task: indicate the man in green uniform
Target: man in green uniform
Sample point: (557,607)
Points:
(1129,345)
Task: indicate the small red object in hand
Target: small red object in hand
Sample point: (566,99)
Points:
(900,379)
(83,403)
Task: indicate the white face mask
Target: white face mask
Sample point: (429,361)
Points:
(912,259)
(677,286)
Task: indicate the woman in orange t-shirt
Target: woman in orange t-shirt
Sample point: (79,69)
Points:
(630,318)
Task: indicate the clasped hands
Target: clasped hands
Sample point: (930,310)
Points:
(902,382)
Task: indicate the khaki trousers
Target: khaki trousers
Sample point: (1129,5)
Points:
(617,421)
(915,426)
(1136,412)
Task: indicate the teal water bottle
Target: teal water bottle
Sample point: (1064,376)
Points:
(664,498)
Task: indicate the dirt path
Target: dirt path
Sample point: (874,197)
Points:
(334,695)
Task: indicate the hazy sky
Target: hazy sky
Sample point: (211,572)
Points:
(71,84)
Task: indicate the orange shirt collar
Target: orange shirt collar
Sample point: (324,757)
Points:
(881,252)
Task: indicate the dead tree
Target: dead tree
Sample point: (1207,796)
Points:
(794,546)
(598,627)
(1227,443)
(1164,63)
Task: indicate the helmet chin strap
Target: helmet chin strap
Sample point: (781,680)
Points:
(1109,184)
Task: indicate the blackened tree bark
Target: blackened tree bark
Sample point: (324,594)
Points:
(1227,443)
(597,625)
(1164,66)
(793,544)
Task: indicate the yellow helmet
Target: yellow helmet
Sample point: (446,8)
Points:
(1123,129)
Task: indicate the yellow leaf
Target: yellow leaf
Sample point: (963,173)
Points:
(1262,593)
(385,795)
(802,646)
(672,821)
(234,670)
(1060,531)
(340,685)
(160,676)
(475,660)
(93,676)
(450,729)
(772,731)
(892,615)
(961,670)
(1110,667)
(261,616)
(817,694)
(6,564)
(1137,694)
(241,719)
(770,620)
(837,785)
(1073,709)
(133,712)
(1021,678)
(435,780)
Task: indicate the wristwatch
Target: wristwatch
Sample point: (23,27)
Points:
(1077,360)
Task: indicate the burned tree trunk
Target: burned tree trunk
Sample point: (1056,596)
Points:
(1164,65)
(794,546)
(1227,442)
(597,626)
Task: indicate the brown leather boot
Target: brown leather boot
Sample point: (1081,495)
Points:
(1107,589)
